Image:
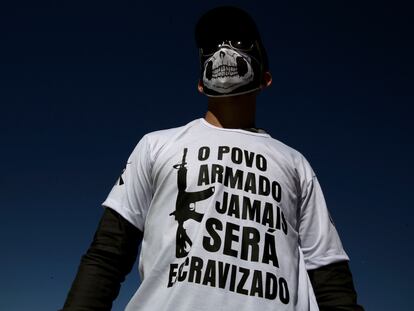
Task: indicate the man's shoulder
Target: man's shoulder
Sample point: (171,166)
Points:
(285,149)
(154,141)
(167,133)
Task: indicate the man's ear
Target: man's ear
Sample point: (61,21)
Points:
(200,86)
(267,80)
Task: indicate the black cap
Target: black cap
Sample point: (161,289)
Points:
(228,23)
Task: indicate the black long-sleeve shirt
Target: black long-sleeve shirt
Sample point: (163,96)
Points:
(114,250)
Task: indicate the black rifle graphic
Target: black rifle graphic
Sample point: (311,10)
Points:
(185,207)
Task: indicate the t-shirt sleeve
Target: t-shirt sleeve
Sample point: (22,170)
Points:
(131,195)
(318,237)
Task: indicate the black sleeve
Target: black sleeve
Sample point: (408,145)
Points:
(334,287)
(103,268)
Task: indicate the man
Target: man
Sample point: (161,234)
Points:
(229,217)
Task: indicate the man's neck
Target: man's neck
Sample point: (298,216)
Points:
(232,112)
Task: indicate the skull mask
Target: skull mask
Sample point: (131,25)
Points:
(227,69)
(232,56)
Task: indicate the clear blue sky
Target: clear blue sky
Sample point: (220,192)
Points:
(81,82)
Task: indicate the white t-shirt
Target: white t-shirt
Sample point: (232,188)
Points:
(232,220)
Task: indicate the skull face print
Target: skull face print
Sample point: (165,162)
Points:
(227,69)
(232,57)
(230,67)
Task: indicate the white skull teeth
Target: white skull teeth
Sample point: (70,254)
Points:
(224,71)
(227,70)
